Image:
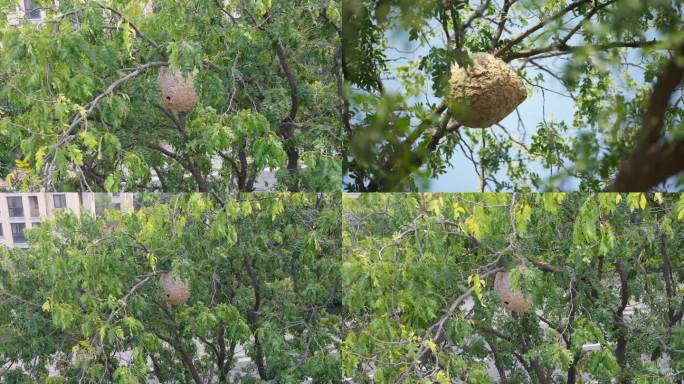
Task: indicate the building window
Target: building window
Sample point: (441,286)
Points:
(117,206)
(2,233)
(18,232)
(30,10)
(33,206)
(15,207)
(59,200)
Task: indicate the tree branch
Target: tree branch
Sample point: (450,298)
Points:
(187,163)
(478,13)
(435,332)
(563,47)
(502,22)
(651,162)
(91,105)
(137,31)
(520,37)
(618,318)
(290,79)
(185,357)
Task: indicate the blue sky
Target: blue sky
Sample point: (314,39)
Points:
(461,175)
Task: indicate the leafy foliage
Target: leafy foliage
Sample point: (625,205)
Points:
(85,301)
(81,106)
(603,56)
(604,272)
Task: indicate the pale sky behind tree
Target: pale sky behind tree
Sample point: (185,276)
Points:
(461,176)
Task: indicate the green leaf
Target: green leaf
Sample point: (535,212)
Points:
(127,34)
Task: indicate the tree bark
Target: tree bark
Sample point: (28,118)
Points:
(653,162)
(287,126)
(253,319)
(619,325)
(185,357)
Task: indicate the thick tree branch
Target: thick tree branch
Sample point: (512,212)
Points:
(563,47)
(187,163)
(294,101)
(253,318)
(503,16)
(618,318)
(288,125)
(185,356)
(91,105)
(653,162)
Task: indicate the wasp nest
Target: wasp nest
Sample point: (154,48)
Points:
(178,92)
(489,90)
(175,289)
(513,301)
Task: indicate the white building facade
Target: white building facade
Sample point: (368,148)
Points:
(21,211)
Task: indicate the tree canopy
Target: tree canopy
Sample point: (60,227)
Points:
(84,303)
(80,107)
(604,273)
(618,63)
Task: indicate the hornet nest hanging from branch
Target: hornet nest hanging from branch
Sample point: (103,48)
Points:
(489,90)
(513,301)
(176,290)
(178,92)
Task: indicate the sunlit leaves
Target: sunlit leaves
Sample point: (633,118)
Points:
(91,286)
(565,258)
(185,55)
(435,205)
(127,35)
(552,201)
(636,201)
(123,375)
(607,239)
(680,208)
(152,261)
(523,214)
(478,223)
(53,74)
(478,285)
(584,231)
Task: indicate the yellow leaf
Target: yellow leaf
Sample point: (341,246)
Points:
(658,197)
(436,206)
(458,210)
(22,164)
(152,260)
(277,210)
(642,201)
(478,284)
(46,306)
(127,34)
(82,111)
(442,378)
(618,198)
(430,344)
